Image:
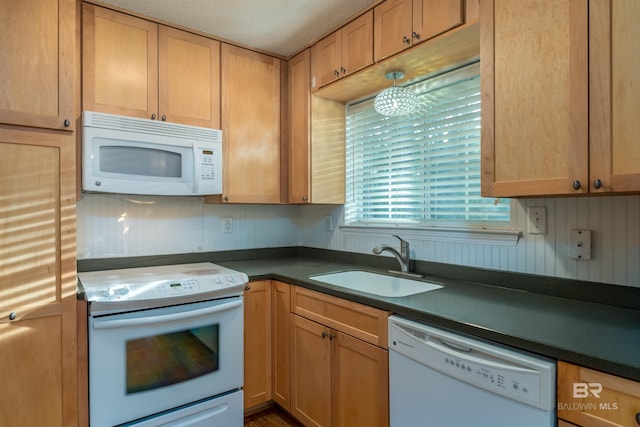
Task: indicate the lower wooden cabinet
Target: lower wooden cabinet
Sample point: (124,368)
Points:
(337,379)
(280,317)
(257,343)
(589,398)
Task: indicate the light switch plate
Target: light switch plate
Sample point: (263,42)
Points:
(580,244)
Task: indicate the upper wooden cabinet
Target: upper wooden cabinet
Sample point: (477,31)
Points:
(251,110)
(343,52)
(38,363)
(316,140)
(138,68)
(400,24)
(36,63)
(614,95)
(603,400)
(560,87)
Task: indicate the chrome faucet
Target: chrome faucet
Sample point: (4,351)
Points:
(403,257)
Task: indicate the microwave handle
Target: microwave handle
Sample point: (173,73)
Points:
(196,168)
(154,320)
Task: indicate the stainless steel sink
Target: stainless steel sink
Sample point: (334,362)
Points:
(375,283)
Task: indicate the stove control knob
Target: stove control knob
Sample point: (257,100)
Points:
(219,280)
(231,279)
(123,291)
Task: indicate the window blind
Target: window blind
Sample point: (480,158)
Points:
(423,168)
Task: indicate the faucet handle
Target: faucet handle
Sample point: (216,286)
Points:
(403,243)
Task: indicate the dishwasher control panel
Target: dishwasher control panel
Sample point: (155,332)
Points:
(504,371)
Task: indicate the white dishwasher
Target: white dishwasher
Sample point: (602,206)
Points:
(441,379)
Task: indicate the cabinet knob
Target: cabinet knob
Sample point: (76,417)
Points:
(576,185)
(415,35)
(597,184)
(305,198)
(153,116)
(226,198)
(324,334)
(638,418)
(67,123)
(12,315)
(336,73)
(406,40)
(247,288)
(343,70)
(164,118)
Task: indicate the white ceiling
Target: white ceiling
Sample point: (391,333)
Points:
(281,27)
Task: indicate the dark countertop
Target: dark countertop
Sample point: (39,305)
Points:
(598,336)
(589,324)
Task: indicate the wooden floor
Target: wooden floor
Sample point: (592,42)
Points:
(271,417)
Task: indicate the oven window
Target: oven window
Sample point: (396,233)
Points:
(161,360)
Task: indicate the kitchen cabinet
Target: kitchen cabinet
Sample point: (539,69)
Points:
(559,86)
(251,111)
(138,68)
(38,355)
(316,154)
(257,343)
(343,52)
(599,400)
(400,24)
(36,63)
(281,330)
(339,361)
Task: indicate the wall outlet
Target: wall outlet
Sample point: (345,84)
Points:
(580,244)
(537,219)
(227,224)
(328,223)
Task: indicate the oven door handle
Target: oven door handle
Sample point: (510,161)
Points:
(154,320)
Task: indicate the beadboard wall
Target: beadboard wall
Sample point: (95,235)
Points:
(615,237)
(118,226)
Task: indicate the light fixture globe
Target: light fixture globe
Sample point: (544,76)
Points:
(395,100)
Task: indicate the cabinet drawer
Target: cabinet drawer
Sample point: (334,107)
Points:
(358,320)
(592,398)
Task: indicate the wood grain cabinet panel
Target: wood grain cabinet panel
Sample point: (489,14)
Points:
(281,307)
(36,63)
(343,52)
(401,24)
(560,90)
(138,68)
(38,355)
(600,400)
(251,110)
(257,343)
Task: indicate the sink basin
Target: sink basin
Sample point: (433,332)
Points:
(375,283)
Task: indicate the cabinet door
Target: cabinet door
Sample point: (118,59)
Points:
(189,78)
(251,126)
(393,21)
(357,44)
(257,343)
(36,62)
(38,355)
(326,60)
(119,63)
(605,400)
(534,97)
(614,87)
(281,344)
(433,17)
(360,383)
(299,132)
(310,372)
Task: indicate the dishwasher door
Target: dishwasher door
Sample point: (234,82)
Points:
(437,378)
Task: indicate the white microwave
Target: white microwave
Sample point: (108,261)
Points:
(139,156)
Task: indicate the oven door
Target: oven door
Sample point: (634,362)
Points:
(145,362)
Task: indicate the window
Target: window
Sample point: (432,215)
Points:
(421,169)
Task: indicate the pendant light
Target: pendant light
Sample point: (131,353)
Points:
(395,100)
